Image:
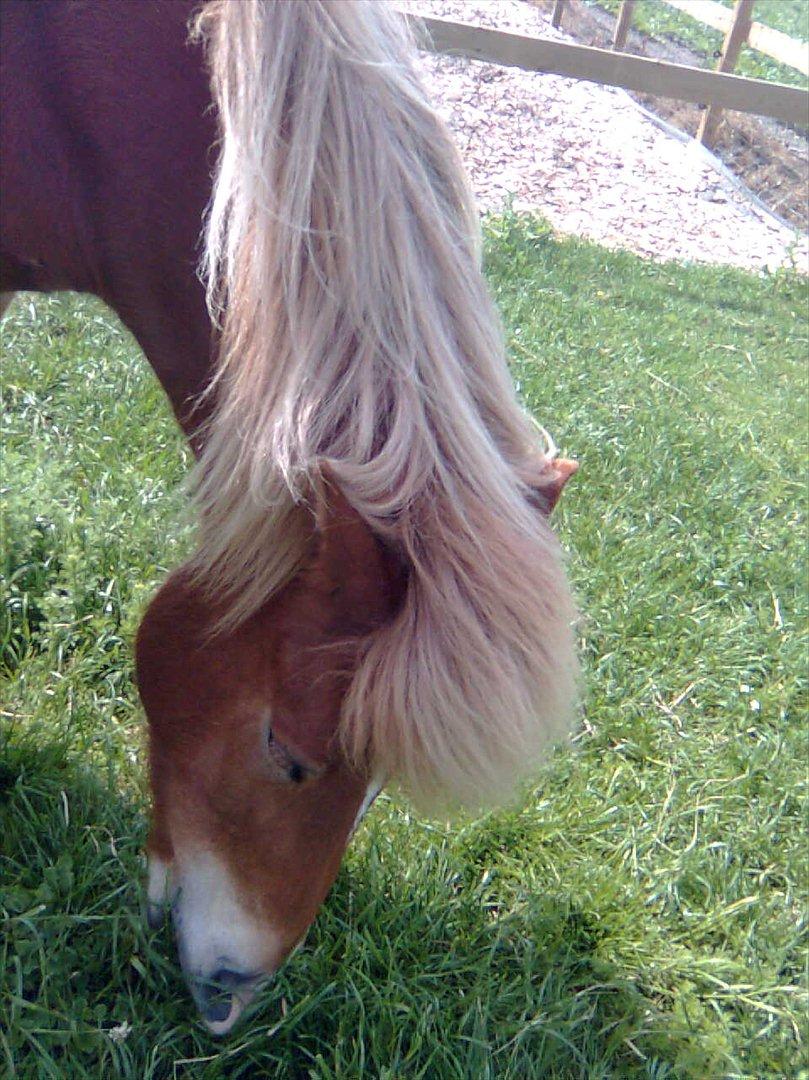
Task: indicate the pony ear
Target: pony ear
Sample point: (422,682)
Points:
(364,581)
(547,487)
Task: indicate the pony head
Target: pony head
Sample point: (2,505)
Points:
(254,801)
(254,797)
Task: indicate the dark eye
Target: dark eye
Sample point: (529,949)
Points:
(284,762)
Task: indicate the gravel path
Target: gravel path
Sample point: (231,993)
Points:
(589,157)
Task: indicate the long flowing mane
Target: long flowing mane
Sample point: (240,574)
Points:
(357,334)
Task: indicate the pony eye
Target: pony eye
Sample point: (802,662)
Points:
(284,762)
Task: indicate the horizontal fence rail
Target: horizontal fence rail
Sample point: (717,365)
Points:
(787,103)
(778,46)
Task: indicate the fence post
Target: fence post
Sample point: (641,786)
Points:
(731,47)
(556,15)
(622,25)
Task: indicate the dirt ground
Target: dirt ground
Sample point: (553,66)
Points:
(767,156)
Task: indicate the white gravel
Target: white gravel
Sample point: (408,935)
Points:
(590,159)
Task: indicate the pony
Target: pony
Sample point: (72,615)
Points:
(273,208)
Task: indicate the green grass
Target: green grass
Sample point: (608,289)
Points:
(641,913)
(658,20)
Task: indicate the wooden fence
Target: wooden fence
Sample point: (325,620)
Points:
(781,47)
(658,77)
(740,30)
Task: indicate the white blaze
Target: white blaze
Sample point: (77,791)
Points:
(214,928)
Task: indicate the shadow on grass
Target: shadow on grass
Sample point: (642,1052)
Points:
(76,957)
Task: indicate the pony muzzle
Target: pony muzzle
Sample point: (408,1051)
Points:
(225,953)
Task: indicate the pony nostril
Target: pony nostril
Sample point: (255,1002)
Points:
(221,993)
(213,1001)
(218,1009)
(222,996)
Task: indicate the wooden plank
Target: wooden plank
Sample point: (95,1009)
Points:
(773,43)
(705,11)
(638,73)
(627,10)
(556,14)
(731,47)
(780,47)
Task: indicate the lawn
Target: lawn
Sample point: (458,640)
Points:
(791,17)
(639,913)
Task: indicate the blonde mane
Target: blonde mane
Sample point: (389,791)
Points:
(342,264)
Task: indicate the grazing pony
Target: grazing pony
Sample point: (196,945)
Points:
(376,595)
